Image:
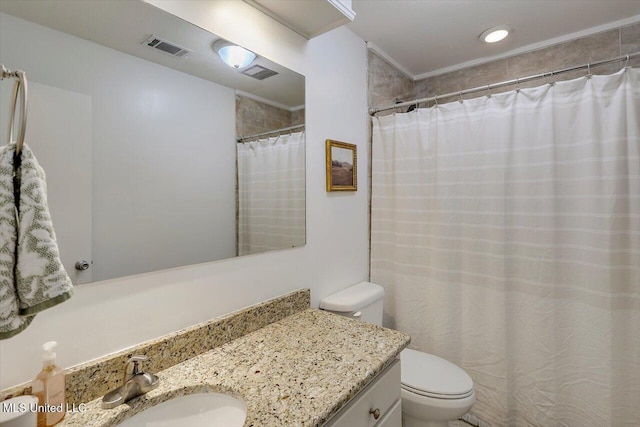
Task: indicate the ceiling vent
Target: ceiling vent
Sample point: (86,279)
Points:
(167,47)
(259,72)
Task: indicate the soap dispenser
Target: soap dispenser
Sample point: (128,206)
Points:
(49,388)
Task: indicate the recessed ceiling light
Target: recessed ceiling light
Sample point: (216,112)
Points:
(495,34)
(233,55)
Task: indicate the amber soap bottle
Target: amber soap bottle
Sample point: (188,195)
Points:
(49,388)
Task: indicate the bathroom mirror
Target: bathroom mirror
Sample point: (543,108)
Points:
(135,119)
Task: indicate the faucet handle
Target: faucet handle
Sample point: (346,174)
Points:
(132,367)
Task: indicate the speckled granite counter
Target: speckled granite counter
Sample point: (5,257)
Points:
(94,378)
(298,371)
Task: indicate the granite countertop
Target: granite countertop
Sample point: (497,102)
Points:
(298,371)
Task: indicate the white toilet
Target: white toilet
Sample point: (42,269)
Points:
(434,391)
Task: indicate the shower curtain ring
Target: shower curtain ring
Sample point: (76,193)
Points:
(517,84)
(461,98)
(626,62)
(588,70)
(396,102)
(435,99)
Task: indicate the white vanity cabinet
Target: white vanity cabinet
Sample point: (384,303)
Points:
(378,404)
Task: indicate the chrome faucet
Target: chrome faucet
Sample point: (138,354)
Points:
(135,384)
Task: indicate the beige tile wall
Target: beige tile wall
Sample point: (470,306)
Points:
(253,117)
(605,45)
(386,84)
(297,117)
(630,41)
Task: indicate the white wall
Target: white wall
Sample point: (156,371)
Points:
(107,316)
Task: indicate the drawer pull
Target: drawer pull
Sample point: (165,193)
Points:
(375,413)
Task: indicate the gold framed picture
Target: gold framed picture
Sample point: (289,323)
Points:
(342,163)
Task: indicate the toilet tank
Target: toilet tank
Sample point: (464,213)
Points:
(362,301)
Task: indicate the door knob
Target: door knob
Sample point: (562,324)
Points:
(82,265)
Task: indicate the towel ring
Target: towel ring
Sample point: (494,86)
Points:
(21,88)
(20,84)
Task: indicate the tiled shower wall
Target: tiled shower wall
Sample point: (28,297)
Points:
(253,117)
(387,84)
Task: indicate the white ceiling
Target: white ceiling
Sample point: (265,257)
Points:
(421,37)
(124,24)
(428,37)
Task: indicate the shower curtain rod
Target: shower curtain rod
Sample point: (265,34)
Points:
(588,66)
(241,139)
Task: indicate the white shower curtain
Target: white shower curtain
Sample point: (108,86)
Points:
(506,231)
(271,193)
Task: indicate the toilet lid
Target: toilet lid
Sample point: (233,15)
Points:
(430,375)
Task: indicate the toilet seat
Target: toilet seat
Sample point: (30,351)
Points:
(436,395)
(432,376)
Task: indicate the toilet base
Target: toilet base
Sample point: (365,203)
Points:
(423,411)
(409,421)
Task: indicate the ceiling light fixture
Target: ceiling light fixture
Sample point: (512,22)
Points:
(495,34)
(233,55)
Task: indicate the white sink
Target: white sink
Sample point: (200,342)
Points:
(193,410)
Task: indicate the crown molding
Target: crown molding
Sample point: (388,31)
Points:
(382,54)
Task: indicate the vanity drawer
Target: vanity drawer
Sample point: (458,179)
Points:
(393,417)
(383,394)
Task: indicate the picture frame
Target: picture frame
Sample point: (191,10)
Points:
(342,166)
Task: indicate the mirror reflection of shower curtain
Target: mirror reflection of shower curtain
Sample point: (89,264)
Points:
(506,231)
(271,193)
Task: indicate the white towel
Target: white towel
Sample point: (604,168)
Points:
(32,277)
